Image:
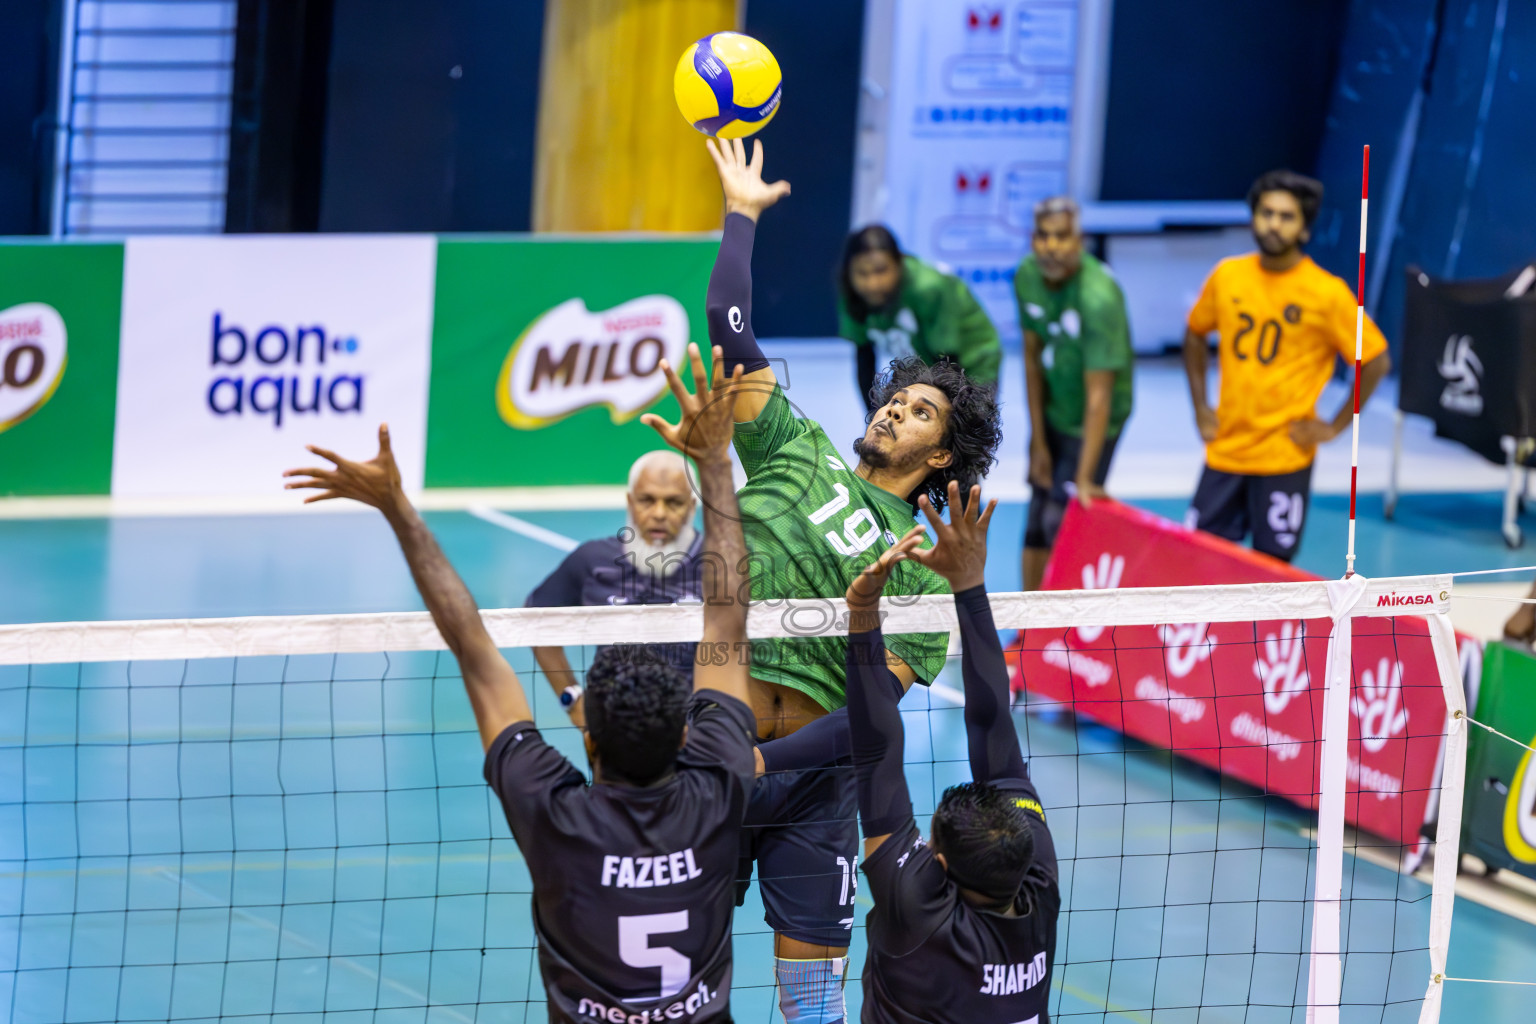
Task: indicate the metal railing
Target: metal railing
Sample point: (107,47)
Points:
(143,145)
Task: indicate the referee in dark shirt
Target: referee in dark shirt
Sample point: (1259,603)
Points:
(633,875)
(653,560)
(964,924)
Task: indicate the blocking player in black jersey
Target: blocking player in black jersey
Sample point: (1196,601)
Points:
(964,923)
(633,875)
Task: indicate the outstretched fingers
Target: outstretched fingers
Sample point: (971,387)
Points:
(941,529)
(675,383)
(668,432)
(325,453)
(984,522)
(700,381)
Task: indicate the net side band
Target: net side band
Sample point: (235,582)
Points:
(177,639)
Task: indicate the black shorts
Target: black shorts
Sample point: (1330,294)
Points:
(1048,507)
(802,830)
(1272,508)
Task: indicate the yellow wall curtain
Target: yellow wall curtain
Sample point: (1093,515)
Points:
(614,154)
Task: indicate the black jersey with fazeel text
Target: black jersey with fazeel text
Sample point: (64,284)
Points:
(935,959)
(633,887)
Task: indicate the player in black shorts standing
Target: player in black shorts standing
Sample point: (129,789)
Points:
(964,924)
(634,875)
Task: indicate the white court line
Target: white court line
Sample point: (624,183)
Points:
(948,693)
(559,541)
(437,499)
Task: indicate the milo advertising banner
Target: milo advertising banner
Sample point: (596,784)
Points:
(546,352)
(1499,823)
(59,310)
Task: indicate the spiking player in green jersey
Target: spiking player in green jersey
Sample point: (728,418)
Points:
(812,522)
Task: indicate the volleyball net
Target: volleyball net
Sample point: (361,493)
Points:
(285,817)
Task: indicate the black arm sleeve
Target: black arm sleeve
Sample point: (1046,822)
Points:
(821,742)
(874,719)
(865,354)
(989,732)
(729,303)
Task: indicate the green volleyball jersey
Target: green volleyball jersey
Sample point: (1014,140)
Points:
(1083,326)
(935,315)
(812,524)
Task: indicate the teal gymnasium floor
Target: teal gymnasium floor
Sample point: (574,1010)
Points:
(1171,902)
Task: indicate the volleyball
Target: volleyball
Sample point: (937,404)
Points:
(727,85)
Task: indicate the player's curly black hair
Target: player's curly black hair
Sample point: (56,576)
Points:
(636,708)
(1308,192)
(972,432)
(985,838)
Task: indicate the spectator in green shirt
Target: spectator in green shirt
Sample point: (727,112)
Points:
(1077,374)
(894,306)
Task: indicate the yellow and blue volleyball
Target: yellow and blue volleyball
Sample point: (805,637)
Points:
(727,85)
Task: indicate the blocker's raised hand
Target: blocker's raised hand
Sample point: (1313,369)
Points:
(959,552)
(864,592)
(742,182)
(375,482)
(705,430)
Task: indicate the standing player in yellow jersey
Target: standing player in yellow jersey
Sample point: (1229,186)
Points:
(1282,321)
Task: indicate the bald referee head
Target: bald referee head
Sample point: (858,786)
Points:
(660,504)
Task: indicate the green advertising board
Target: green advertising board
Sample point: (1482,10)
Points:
(545,353)
(1499,821)
(59,312)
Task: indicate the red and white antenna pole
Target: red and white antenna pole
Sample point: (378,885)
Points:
(1354,444)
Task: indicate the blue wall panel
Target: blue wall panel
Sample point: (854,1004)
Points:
(1387,45)
(1468,211)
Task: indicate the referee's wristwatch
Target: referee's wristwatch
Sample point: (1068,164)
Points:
(569,696)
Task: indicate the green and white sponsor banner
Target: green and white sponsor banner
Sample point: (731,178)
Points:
(1500,818)
(545,353)
(59,309)
(237,352)
(202,366)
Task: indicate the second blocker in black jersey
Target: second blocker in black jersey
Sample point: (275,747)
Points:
(929,948)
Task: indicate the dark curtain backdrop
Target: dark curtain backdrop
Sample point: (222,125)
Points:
(28,83)
(1206,95)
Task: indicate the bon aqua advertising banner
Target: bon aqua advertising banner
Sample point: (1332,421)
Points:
(237,352)
(1499,823)
(546,352)
(59,313)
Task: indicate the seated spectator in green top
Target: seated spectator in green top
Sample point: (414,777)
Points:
(894,306)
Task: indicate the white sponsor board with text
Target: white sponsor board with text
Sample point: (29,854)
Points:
(237,352)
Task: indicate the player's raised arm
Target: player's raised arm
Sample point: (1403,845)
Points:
(704,434)
(729,303)
(960,555)
(874,699)
(494,691)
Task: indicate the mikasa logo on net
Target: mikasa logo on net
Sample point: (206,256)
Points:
(1394,599)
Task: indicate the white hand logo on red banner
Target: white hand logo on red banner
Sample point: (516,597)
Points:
(1379,705)
(1187,646)
(1101,575)
(1279,667)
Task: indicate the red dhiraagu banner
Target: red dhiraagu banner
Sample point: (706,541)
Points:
(1244,698)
